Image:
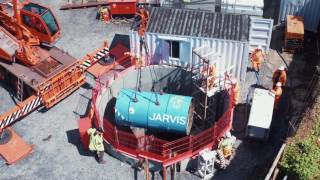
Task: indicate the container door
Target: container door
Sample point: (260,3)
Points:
(260,33)
(156,56)
(164,51)
(185,49)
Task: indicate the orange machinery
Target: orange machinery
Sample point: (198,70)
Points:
(38,19)
(40,76)
(112,8)
(48,72)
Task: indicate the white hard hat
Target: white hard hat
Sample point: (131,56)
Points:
(279,84)
(228,134)
(281,68)
(233,81)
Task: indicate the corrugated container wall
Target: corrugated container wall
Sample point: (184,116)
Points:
(309,9)
(231,55)
(249,7)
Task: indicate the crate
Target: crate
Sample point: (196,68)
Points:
(294,33)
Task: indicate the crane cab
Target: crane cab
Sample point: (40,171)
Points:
(41,22)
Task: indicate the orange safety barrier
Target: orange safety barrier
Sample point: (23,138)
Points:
(160,150)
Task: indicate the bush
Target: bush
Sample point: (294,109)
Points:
(302,155)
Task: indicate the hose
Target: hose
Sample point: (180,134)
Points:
(221,160)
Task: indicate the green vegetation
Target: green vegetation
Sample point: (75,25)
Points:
(302,155)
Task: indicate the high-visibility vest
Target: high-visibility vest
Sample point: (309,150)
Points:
(227,151)
(277,92)
(96,141)
(279,76)
(257,56)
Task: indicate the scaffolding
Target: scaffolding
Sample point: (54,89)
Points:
(206,84)
(201,77)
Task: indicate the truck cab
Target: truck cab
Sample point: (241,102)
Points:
(41,22)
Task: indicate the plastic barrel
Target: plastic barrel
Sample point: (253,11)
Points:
(173,113)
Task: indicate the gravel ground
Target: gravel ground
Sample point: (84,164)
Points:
(61,157)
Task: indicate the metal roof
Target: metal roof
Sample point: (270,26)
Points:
(200,23)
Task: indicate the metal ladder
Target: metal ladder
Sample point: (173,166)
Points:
(199,80)
(20,89)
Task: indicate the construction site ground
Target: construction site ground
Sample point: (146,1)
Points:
(58,153)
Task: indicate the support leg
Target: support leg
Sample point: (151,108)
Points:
(173,172)
(147,169)
(164,173)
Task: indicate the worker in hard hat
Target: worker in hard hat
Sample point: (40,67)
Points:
(226,145)
(96,143)
(257,58)
(280,75)
(277,90)
(211,75)
(236,90)
(103,14)
(140,61)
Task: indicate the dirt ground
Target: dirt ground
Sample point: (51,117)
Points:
(62,157)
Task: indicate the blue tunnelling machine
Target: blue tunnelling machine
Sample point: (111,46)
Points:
(165,112)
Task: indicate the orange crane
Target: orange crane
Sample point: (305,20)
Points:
(40,76)
(30,25)
(41,69)
(38,19)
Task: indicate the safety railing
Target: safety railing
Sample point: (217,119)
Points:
(160,150)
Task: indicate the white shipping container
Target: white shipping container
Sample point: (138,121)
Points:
(232,56)
(172,34)
(249,7)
